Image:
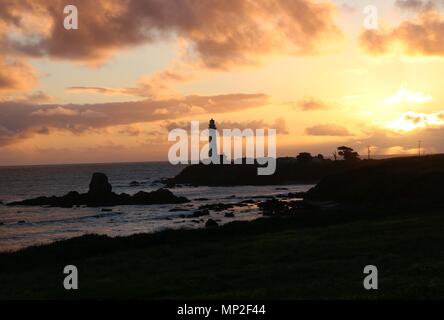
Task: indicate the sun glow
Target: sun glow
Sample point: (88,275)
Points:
(410,121)
(406,96)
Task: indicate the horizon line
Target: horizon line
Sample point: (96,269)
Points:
(363,157)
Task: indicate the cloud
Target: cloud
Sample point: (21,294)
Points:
(406,96)
(416,5)
(130,131)
(412,120)
(311,104)
(37,97)
(347,8)
(389,142)
(422,36)
(328,130)
(19,121)
(158,85)
(279,124)
(16,75)
(219,34)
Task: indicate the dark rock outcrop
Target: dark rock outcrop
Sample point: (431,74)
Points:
(134,184)
(211,224)
(278,207)
(217,206)
(288,171)
(200,213)
(99,186)
(274,207)
(405,183)
(178,210)
(229,215)
(100,194)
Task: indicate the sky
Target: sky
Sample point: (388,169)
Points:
(111,90)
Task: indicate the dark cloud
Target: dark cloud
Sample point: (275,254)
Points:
(219,33)
(417,5)
(328,130)
(22,120)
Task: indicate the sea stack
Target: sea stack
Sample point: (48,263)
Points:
(99,187)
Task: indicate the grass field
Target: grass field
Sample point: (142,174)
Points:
(285,258)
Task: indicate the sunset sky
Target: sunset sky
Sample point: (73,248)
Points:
(111,90)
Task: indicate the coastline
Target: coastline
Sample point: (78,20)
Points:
(315,248)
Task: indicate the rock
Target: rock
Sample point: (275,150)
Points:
(161,196)
(106,210)
(293,195)
(229,215)
(178,210)
(217,206)
(21,222)
(274,207)
(280,189)
(100,195)
(2,223)
(250,201)
(211,224)
(201,199)
(200,213)
(99,187)
(134,184)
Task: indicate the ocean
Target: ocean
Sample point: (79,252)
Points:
(22,227)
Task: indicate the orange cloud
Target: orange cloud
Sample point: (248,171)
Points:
(218,33)
(279,124)
(311,104)
(328,130)
(21,120)
(417,5)
(423,36)
(16,76)
(159,85)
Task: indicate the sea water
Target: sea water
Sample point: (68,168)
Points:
(21,227)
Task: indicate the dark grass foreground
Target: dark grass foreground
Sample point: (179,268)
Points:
(286,258)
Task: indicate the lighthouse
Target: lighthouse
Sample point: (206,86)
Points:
(212,152)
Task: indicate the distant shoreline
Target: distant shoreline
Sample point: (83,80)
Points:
(82,164)
(376,157)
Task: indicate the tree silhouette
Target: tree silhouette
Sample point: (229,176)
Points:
(348,153)
(304,157)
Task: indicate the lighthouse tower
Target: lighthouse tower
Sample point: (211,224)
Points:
(212,152)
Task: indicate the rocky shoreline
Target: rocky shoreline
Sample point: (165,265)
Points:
(100,194)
